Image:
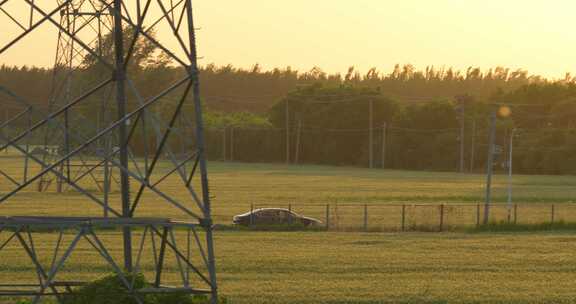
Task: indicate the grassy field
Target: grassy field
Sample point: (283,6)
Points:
(324,267)
(394,268)
(307,188)
(331,267)
(235,186)
(321,184)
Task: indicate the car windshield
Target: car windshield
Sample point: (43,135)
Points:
(267,212)
(271,212)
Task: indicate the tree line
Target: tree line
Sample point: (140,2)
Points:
(417,117)
(231,89)
(431,119)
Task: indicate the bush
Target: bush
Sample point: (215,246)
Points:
(111,290)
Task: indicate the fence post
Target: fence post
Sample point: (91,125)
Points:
(327,216)
(515,214)
(478,215)
(290,214)
(441,217)
(251,214)
(336,216)
(553,214)
(403,217)
(365,217)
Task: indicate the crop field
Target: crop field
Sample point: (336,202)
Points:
(412,268)
(351,267)
(332,267)
(236,186)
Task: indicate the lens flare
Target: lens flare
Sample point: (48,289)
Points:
(504,111)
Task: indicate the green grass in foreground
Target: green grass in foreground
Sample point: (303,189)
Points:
(397,268)
(329,267)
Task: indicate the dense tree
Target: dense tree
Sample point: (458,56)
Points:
(343,107)
(343,112)
(328,113)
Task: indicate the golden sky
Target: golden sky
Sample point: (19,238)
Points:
(537,35)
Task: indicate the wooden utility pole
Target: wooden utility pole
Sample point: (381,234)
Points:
(287,118)
(5,121)
(224,139)
(371,134)
(231,144)
(473,146)
(384,130)
(462,126)
(510,159)
(489,167)
(298,135)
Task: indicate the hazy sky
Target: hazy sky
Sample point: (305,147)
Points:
(537,35)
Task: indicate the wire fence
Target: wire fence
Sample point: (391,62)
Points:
(381,146)
(389,147)
(384,147)
(428,217)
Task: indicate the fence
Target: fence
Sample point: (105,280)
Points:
(392,148)
(385,147)
(427,217)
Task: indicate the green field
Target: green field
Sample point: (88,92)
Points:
(235,186)
(308,188)
(235,183)
(354,267)
(322,267)
(414,268)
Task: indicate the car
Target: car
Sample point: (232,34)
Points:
(274,216)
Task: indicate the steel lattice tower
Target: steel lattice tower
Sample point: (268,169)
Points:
(130,154)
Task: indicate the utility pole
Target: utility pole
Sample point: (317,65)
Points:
(370,134)
(384,130)
(287,119)
(473,146)
(462,125)
(120,77)
(231,143)
(5,121)
(298,138)
(510,157)
(1,123)
(224,143)
(490,167)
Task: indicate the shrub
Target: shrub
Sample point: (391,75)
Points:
(111,290)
